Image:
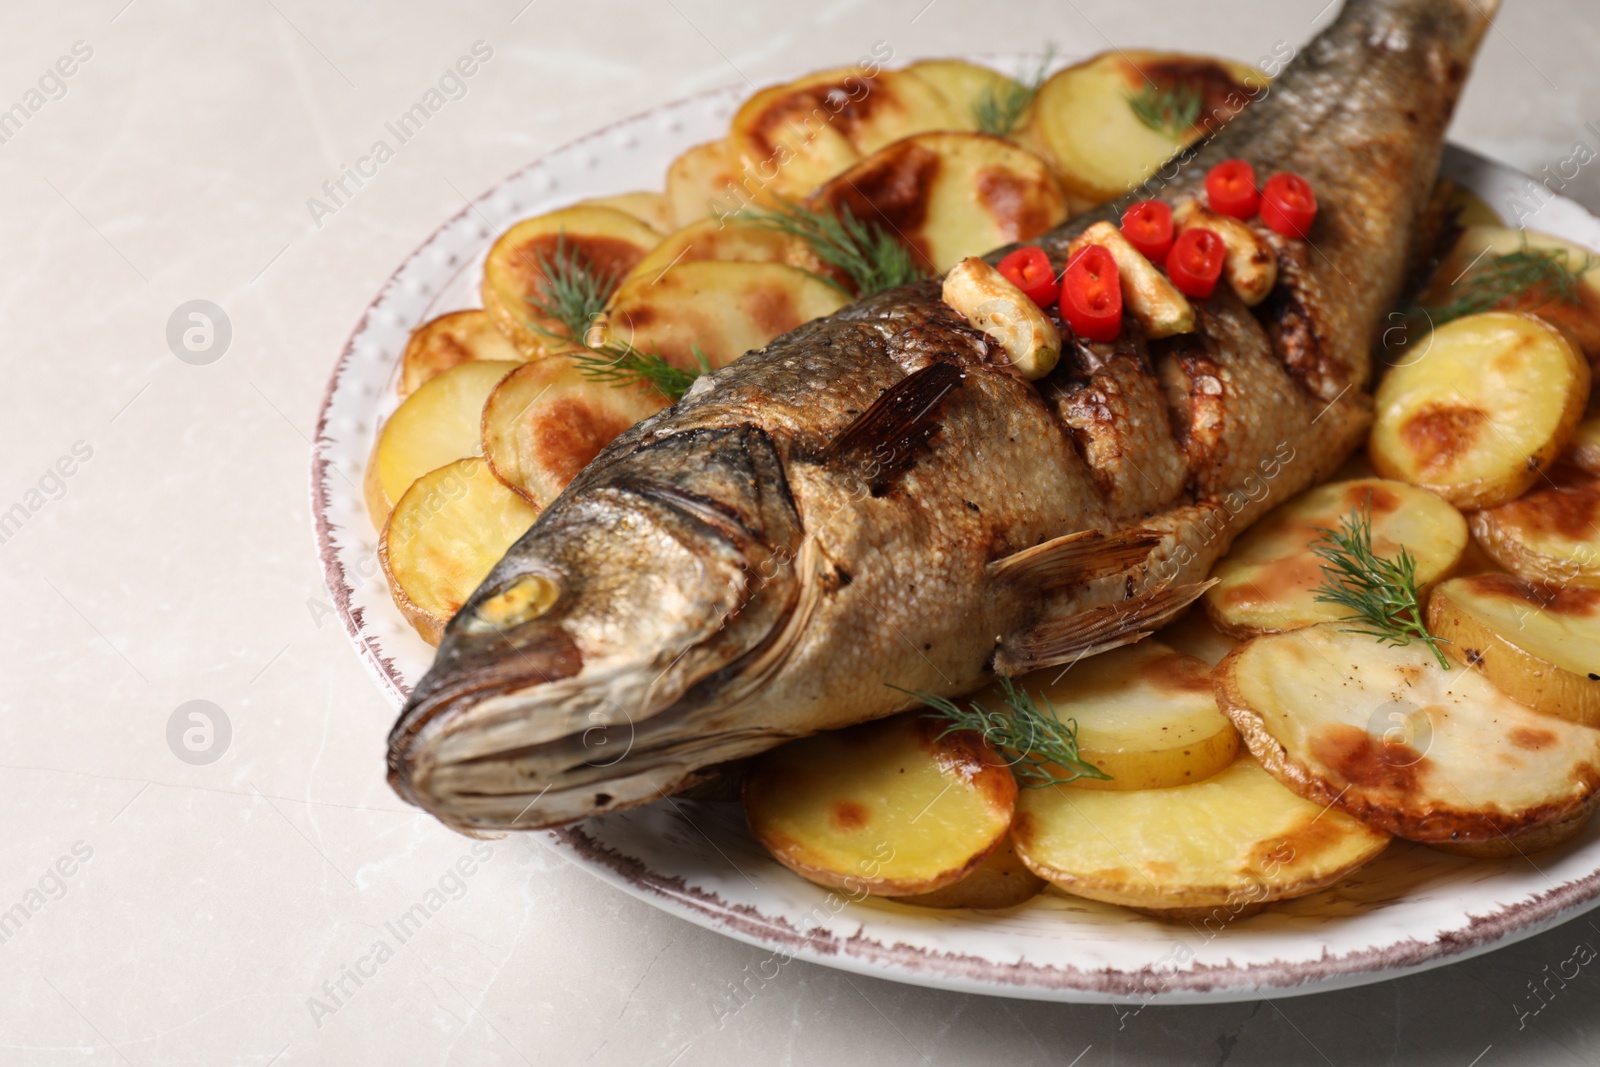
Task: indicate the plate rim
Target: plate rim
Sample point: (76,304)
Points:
(897,960)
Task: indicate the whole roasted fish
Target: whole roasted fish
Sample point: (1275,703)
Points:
(879,499)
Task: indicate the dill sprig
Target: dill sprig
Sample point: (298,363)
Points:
(998,109)
(621,364)
(1493,280)
(872,259)
(1171,109)
(1379,593)
(572,292)
(1038,744)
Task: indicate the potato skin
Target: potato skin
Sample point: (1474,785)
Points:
(1001,881)
(1551,535)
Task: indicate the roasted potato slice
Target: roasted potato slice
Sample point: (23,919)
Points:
(456,337)
(788,139)
(1000,881)
(446,532)
(433,426)
(652,209)
(950,195)
(1269,579)
(1085,120)
(1575,308)
(1551,535)
(545,421)
(607,240)
(963,85)
(1146,716)
(1196,635)
(1490,403)
(1584,450)
(887,808)
(729,240)
(724,309)
(1212,850)
(1388,736)
(1538,645)
(700,184)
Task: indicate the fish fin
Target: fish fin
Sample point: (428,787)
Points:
(883,441)
(1053,641)
(1076,558)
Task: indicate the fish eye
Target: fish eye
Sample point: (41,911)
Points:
(525,599)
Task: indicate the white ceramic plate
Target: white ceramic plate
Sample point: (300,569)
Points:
(1410,910)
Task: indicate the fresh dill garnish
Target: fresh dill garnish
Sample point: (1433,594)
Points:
(872,259)
(622,365)
(1380,593)
(998,109)
(571,292)
(1171,110)
(1493,280)
(1038,744)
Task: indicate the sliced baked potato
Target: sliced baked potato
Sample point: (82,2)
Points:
(888,808)
(949,195)
(1194,634)
(545,421)
(1491,402)
(788,139)
(606,241)
(1538,645)
(1208,852)
(451,526)
(964,86)
(433,426)
(1146,715)
(1481,253)
(700,184)
(1086,119)
(1385,734)
(1551,535)
(452,338)
(723,309)
(1584,450)
(731,240)
(652,209)
(1269,579)
(1002,880)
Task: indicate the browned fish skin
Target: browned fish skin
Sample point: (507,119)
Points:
(731,576)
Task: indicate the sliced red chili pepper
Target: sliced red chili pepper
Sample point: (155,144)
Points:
(1147,224)
(1091,295)
(1195,262)
(1288,205)
(1231,189)
(1028,268)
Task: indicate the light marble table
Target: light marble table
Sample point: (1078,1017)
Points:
(204,907)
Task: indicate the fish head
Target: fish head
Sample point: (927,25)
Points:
(558,689)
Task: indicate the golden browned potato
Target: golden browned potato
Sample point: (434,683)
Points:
(452,338)
(1538,645)
(1146,716)
(887,808)
(731,240)
(446,533)
(964,85)
(1551,535)
(1220,848)
(949,195)
(1490,402)
(545,421)
(1086,119)
(1385,734)
(1268,581)
(1584,451)
(605,241)
(700,184)
(1000,881)
(433,426)
(652,209)
(723,309)
(1575,308)
(788,139)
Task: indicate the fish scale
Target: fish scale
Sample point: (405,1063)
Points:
(830,517)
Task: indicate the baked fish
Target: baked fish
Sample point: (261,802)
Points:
(879,499)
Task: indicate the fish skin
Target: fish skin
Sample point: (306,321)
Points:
(727,583)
